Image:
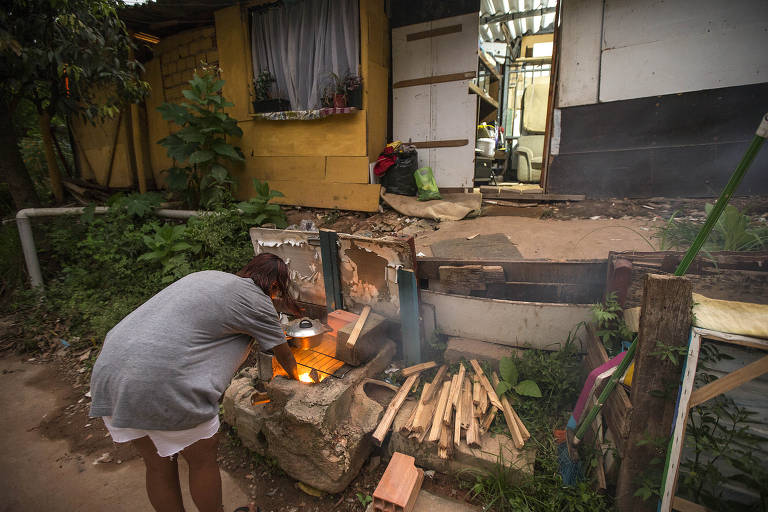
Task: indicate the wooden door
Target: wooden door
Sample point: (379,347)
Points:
(433,63)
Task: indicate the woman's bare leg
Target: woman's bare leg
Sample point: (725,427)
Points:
(204,476)
(163,486)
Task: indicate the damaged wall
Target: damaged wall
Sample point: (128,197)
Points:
(300,250)
(369,272)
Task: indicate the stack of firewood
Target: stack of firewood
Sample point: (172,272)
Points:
(452,408)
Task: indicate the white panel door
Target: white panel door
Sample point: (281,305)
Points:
(437,112)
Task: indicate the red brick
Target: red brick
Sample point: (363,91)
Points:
(399,486)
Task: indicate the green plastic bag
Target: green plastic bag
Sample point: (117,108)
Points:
(425,181)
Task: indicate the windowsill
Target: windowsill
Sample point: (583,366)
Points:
(304,115)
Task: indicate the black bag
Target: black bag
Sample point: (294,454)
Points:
(399,178)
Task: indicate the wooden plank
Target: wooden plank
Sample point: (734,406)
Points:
(491,65)
(457,419)
(678,432)
(730,381)
(335,135)
(463,278)
(467,409)
(436,383)
(733,339)
(500,192)
(342,196)
(483,95)
(376,103)
(684,505)
(265,168)
(330,261)
(455,143)
(346,169)
(544,271)
(389,416)
(492,396)
(572,293)
(437,420)
(234,55)
(417,368)
(435,32)
(514,430)
(518,324)
(437,79)
(665,319)
(425,409)
(408,290)
(488,419)
(358,326)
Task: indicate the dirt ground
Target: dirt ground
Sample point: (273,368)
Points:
(57,459)
(568,230)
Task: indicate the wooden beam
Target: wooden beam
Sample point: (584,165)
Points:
(488,63)
(530,271)
(730,381)
(417,368)
(435,32)
(500,192)
(665,322)
(455,143)
(504,17)
(358,327)
(483,95)
(389,416)
(436,79)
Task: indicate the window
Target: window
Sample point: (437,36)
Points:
(302,42)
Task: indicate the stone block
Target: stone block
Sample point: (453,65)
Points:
(319,434)
(465,348)
(368,343)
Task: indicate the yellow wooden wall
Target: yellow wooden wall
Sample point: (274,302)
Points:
(320,163)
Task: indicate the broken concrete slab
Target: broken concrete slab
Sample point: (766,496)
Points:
(428,502)
(466,348)
(466,462)
(318,434)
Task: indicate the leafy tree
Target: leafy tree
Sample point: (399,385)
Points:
(202,142)
(66,56)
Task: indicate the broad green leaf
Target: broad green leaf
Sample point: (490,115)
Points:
(190,95)
(219,173)
(201,156)
(528,388)
(502,387)
(227,150)
(508,370)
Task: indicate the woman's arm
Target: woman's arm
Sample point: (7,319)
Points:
(285,357)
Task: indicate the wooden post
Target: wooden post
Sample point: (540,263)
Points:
(50,158)
(665,324)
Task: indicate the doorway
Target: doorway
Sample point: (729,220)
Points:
(516,52)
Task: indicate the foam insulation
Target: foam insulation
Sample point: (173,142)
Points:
(302,257)
(369,272)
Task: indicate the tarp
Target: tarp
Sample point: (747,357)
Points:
(728,316)
(454,206)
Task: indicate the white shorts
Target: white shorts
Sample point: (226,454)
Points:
(167,442)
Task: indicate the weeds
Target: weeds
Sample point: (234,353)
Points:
(612,329)
(734,231)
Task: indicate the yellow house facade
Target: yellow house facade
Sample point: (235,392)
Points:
(316,163)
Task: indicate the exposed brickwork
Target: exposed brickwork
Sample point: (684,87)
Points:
(180,54)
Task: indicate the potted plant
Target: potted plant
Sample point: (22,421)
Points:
(334,94)
(353,87)
(263,101)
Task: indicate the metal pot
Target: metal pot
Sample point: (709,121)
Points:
(305,332)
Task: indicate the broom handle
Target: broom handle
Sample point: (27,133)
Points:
(682,268)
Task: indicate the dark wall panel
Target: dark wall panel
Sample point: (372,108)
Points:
(410,12)
(678,145)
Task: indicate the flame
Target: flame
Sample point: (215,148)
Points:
(304,377)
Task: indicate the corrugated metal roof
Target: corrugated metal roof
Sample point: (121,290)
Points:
(497,17)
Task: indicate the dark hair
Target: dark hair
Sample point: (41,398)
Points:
(268,270)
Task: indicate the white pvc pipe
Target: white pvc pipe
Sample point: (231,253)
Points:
(28,241)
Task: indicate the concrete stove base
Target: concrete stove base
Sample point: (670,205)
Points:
(319,434)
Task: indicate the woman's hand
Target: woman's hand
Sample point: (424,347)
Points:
(285,357)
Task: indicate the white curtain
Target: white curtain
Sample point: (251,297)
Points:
(301,43)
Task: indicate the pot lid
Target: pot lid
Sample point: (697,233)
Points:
(304,328)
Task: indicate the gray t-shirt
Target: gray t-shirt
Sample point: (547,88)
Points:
(165,366)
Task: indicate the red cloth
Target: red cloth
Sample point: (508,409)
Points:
(386,160)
